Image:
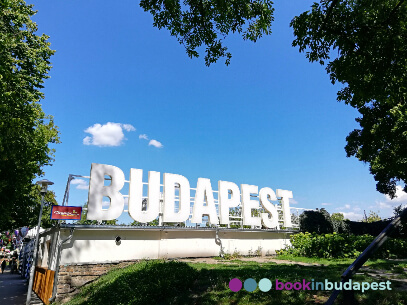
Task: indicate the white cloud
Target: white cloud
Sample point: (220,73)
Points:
(87,140)
(383,205)
(326,203)
(346,207)
(352,216)
(401,197)
(155,143)
(128,127)
(110,134)
(293,201)
(80,184)
(143,136)
(388,203)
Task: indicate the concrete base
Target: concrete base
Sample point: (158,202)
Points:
(97,244)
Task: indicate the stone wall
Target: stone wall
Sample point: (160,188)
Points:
(72,277)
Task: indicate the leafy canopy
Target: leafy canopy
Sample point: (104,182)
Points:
(364,44)
(208,22)
(25,131)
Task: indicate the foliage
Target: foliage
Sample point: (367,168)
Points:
(337,217)
(364,44)
(338,223)
(196,22)
(25,131)
(316,221)
(49,201)
(202,283)
(231,256)
(174,224)
(373,217)
(402,227)
(85,221)
(341,246)
(152,223)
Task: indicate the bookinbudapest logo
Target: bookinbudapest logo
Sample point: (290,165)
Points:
(266,285)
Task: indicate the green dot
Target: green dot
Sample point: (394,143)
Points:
(250,285)
(265,285)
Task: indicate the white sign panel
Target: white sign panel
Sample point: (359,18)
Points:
(229,196)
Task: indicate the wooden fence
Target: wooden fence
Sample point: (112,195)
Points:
(43,283)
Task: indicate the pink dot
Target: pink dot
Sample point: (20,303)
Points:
(235,284)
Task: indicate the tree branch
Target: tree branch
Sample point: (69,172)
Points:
(330,8)
(393,11)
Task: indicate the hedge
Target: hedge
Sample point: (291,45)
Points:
(342,246)
(320,222)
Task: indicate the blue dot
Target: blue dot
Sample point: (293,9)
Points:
(250,285)
(265,285)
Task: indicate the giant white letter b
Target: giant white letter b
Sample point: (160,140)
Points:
(97,190)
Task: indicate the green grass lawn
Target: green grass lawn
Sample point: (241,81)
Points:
(172,282)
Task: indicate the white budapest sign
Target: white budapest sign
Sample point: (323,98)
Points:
(229,196)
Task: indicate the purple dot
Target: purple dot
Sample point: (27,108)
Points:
(235,284)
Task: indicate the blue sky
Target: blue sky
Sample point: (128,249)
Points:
(269,119)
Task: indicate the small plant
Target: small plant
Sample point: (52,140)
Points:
(236,254)
(230,256)
(258,252)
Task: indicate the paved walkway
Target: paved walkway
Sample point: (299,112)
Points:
(13,288)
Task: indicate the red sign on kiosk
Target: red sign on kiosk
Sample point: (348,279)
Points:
(66,212)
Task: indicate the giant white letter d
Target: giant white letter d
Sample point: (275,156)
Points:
(97,190)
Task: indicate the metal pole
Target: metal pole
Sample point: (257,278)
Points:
(34,262)
(58,250)
(367,253)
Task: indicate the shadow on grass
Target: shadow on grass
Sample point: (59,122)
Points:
(171,282)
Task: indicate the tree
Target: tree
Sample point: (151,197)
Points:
(338,223)
(337,217)
(202,22)
(49,201)
(85,221)
(402,227)
(317,221)
(25,131)
(154,223)
(373,217)
(363,44)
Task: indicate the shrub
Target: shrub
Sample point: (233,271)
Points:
(341,246)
